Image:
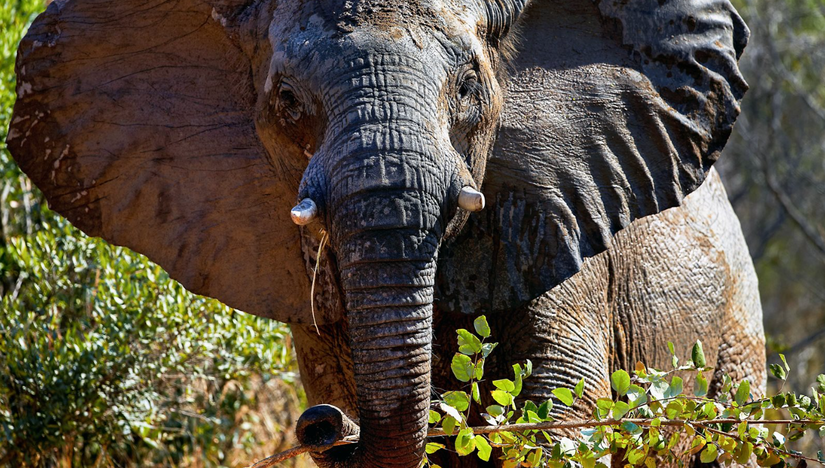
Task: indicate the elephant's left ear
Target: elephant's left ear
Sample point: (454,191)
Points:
(135,119)
(615,110)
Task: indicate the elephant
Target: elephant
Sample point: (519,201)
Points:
(377,173)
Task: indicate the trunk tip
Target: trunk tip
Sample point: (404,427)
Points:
(324,425)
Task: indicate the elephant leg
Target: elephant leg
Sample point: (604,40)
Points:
(685,275)
(325,362)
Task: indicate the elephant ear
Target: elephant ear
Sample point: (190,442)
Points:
(135,119)
(615,111)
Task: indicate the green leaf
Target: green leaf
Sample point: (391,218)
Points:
(488,348)
(465,442)
(743,453)
(701,387)
(636,396)
(564,395)
(458,400)
(535,458)
(782,357)
(544,409)
(671,348)
(604,404)
(743,393)
(479,369)
(634,456)
(504,384)
(674,409)
(778,371)
(620,409)
(448,424)
(475,392)
(481,326)
(503,398)
(483,447)
(434,417)
(579,390)
(697,355)
(675,388)
(433,447)
(709,453)
(462,367)
(495,410)
(620,381)
(517,382)
(468,343)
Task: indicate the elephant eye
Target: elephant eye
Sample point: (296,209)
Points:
(288,103)
(469,85)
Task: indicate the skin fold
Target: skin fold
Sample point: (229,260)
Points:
(188,130)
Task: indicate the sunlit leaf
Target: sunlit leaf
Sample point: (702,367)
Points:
(697,355)
(620,381)
(433,447)
(564,395)
(462,367)
(743,393)
(709,453)
(483,447)
(481,326)
(468,343)
(465,442)
(579,390)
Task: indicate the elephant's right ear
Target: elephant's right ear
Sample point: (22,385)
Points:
(615,110)
(135,118)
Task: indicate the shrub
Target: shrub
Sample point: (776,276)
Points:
(104,360)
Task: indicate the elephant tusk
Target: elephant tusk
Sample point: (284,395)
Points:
(304,212)
(470,199)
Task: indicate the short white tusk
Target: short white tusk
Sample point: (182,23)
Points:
(304,212)
(470,199)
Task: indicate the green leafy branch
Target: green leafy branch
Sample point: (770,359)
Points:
(732,426)
(633,425)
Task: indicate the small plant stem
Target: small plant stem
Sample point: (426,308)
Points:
(271,461)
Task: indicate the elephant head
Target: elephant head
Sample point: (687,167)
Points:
(188,130)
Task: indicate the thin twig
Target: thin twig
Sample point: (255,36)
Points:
(269,462)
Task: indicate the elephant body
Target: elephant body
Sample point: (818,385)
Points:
(679,276)
(326,163)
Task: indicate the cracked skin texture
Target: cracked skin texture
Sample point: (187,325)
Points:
(187,129)
(682,275)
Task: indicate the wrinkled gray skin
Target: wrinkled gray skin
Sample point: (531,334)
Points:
(388,184)
(383,110)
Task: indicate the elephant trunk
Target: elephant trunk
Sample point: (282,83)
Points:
(385,218)
(389,314)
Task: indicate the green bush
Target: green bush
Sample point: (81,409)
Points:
(649,419)
(104,360)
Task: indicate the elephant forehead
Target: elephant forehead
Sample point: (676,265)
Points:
(303,36)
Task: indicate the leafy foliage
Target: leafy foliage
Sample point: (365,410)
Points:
(649,420)
(104,360)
